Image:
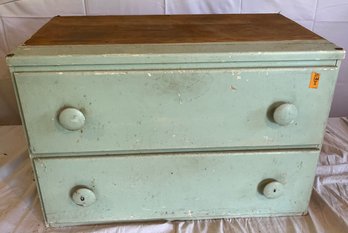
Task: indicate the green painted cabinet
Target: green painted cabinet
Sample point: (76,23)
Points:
(173,117)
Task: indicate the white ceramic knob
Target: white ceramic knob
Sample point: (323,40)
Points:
(285,114)
(273,189)
(83,197)
(71,119)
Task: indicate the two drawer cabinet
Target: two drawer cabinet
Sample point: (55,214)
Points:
(173,117)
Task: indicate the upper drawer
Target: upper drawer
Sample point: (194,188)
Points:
(174,110)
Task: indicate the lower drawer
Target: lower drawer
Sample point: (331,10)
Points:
(175,186)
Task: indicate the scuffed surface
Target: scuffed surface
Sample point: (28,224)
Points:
(328,209)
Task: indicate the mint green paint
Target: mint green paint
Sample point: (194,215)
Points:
(175,186)
(285,114)
(82,196)
(71,119)
(173,110)
(174,131)
(273,189)
(175,53)
(164,66)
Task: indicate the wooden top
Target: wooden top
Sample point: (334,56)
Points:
(85,30)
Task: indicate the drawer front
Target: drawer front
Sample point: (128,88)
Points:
(173,110)
(174,186)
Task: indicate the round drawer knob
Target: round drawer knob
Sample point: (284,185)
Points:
(71,119)
(273,189)
(285,114)
(83,197)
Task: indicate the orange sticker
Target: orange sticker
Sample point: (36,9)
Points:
(314,83)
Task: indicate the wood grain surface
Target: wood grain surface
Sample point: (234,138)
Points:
(72,30)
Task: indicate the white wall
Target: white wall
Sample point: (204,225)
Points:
(19,19)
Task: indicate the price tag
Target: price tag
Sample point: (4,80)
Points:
(314,83)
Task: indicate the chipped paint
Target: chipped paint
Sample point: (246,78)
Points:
(109,73)
(64,56)
(180,100)
(268,139)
